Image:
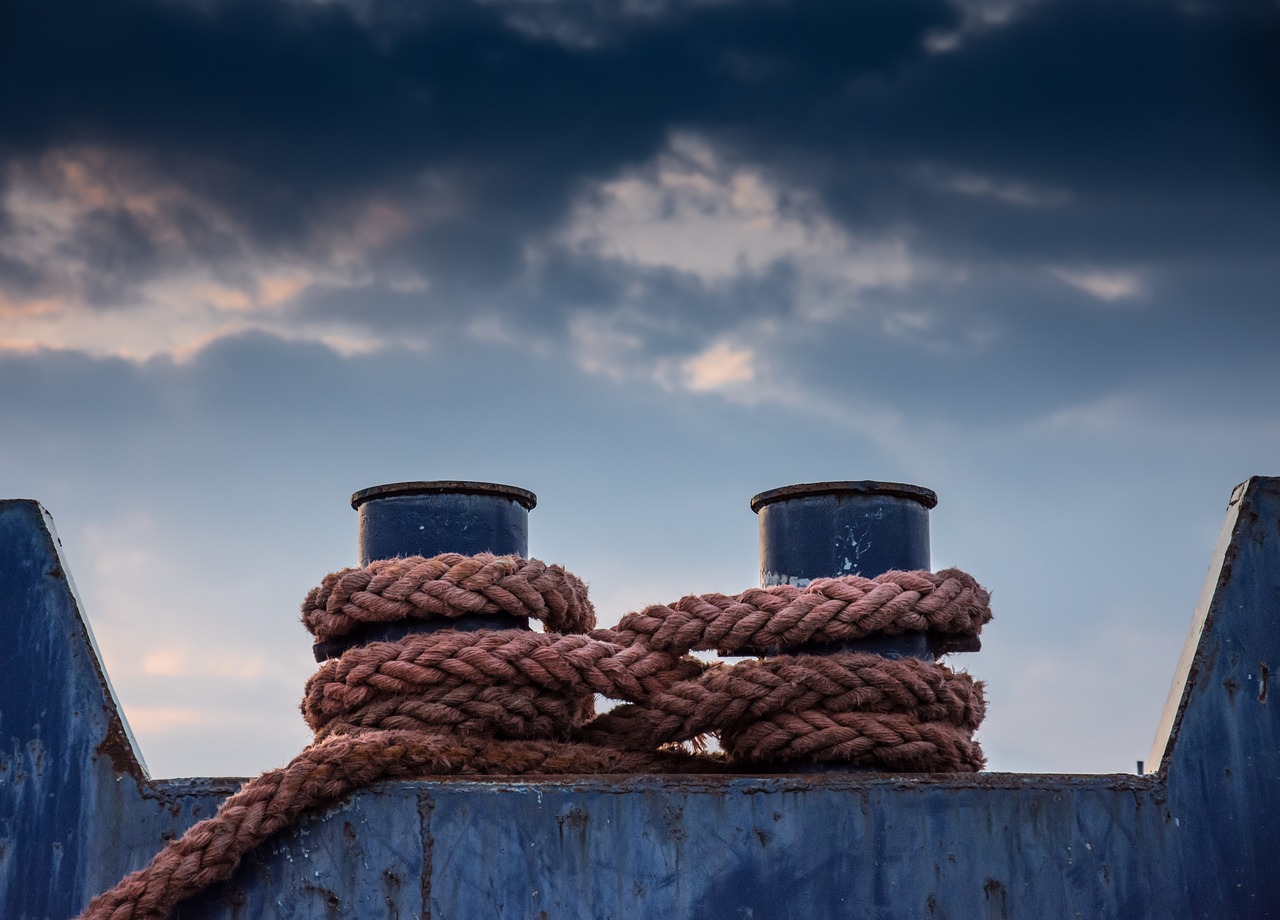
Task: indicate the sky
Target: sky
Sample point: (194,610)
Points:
(645,259)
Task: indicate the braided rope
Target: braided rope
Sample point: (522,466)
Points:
(509,702)
(890,741)
(482,659)
(448,585)
(724,700)
(827,610)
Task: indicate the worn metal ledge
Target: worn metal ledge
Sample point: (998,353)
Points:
(1198,838)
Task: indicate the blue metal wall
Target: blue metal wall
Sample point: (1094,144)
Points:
(1199,838)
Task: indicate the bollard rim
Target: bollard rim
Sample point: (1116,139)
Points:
(926,497)
(445,487)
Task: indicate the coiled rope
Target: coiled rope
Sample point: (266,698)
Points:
(511,702)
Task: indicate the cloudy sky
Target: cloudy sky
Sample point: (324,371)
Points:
(645,258)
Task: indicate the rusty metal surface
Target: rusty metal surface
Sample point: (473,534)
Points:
(362,858)
(1198,838)
(790,848)
(76,805)
(1222,753)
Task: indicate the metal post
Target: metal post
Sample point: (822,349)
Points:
(427,519)
(828,529)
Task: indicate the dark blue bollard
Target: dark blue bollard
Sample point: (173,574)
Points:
(430,518)
(427,519)
(829,529)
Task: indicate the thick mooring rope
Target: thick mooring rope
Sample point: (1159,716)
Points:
(512,702)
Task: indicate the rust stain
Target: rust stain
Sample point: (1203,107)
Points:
(576,819)
(116,747)
(1228,564)
(426,805)
(995,893)
(675,818)
(331,899)
(393,882)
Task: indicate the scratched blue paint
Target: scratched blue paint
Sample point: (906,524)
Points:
(1196,839)
(429,518)
(830,529)
(818,530)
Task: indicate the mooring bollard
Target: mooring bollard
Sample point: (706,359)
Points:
(828,529)
(430,518)
(427,519)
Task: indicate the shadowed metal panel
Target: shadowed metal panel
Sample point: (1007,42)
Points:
(807,848)
(1223,753)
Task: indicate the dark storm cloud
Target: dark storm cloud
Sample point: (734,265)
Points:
(1115,96)
(307,98)
(1161,124)
(116,249)
(276,110)
(18,276)
(1148,130)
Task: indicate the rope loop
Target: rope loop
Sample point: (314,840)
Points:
(827,610)
(448,585)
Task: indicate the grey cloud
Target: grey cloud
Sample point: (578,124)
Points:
(1147,123)
(277,110)
(19,276)
(115,250)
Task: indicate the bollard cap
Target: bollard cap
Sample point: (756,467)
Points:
(926,497)
(446,487)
